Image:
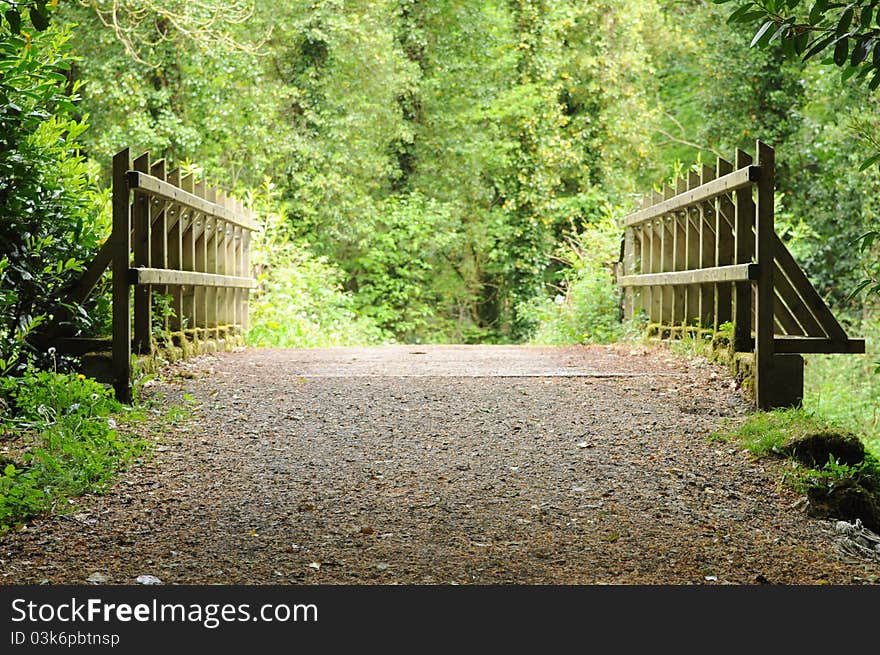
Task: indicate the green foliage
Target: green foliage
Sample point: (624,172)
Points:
(300,301)
(846,32)
(587,308)
(65,441)
(52,213)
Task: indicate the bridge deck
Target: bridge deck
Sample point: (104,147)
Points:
(441,464)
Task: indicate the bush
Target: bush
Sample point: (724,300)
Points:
(300,302)
(587,307)
(52,215)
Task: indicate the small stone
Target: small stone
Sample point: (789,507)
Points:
(148,579)
(381,566)
(97,578)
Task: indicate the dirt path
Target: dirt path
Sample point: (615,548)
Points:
(441,465)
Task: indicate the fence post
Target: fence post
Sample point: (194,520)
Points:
(140,218)
(744,219)
(121,247)
(765,297)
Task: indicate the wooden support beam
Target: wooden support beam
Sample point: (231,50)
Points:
(817,345)
(161,189)
(141,243)
(765,299)
(744,248)
(707,251)
(733,273)
(141,276)
(121,249)
(738,179)
(724,246)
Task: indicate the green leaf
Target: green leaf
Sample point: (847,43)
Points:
(845,21)
(859,288)
(40,19)
(869,162)
(765,29)
(817,11)
(818,46)
(14,20)
(841,50)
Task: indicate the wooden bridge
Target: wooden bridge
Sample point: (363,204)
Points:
(699,257)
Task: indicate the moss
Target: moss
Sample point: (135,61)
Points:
(815,449)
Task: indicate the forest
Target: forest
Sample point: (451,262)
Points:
(434,172)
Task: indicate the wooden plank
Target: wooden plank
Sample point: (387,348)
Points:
(817,345)
(159,232)
(724,246)
(786,323)
(732,273)
(92,275)
(628,261)
(788,302)
(141,242)
(679,293)
(765,300)
(188,257)
(667,261)
(141,276)
(247,271)
(82,345)
(213,299)
(738,179)
(808,294)
(707,252)
(175,255)
(692,236)
(161,189)
(657,262)
(201,236)
(744,247)
(121,249)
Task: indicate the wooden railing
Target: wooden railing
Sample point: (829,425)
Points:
(705,252)
(174,238)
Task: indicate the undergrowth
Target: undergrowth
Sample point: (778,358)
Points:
(58,440)
(827,463)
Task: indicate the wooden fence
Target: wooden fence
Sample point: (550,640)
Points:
(184,248)
(704,252)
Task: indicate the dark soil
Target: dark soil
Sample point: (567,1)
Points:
(441,465)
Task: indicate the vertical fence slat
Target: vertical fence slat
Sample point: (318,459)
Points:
(724,246)
(659,261)
(175,260)
(707,252)
(693,253)
(246,271)
(744,248)
(212,236)
(188,247)
(200,236)
(680,238)
(159,235)
(140,218)
(764,306)
(121,248)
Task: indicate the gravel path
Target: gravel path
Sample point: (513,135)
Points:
(440,464)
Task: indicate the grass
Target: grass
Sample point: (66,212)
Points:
(767,433)
(840,478)
(60,438)
(845,389)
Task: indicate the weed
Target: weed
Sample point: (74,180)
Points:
(65,438)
